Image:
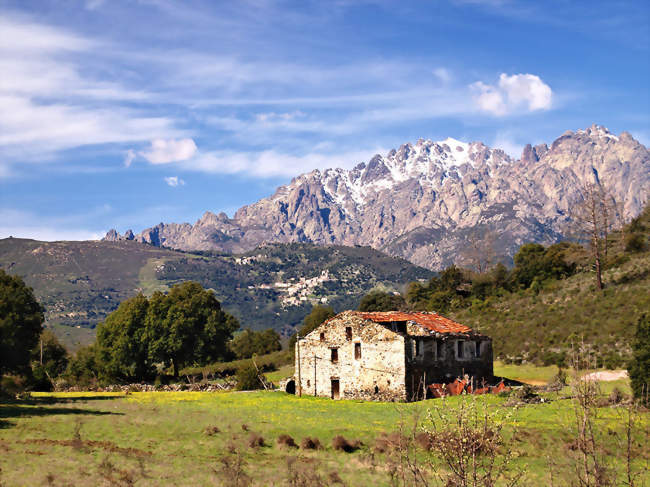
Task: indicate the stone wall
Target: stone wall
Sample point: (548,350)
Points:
(377,374)
(441,359)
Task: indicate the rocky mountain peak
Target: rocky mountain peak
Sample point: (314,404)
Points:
(426,201)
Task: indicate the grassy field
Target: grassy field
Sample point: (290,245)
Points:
(160,438)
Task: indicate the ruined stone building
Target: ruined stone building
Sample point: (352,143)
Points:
(388,356)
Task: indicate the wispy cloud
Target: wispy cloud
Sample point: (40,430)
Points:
(271,163)
(51,101)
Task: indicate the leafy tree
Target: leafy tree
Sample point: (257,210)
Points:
(534,261)
(450,279)
(416,295)
(639,366)
(49,360)
(312,321)
(82,367)
(21,323)
(122,349)
(188,325)
(249,343)
(528,264)
(382,301)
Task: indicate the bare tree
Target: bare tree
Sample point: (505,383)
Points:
(480,251)
(592,220)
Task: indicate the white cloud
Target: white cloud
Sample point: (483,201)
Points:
(174,181)
(271,163)
(129,157)
(164,151)
(512,93)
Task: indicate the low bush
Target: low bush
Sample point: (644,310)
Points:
(255,440)
(286,441)
(339,443)
(635,242)
(310,443)
(212,430)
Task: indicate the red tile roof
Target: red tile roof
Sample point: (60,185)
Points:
(430,321)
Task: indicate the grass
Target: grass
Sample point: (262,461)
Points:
(280,374)
(159,438)
(525,373)
(147,279)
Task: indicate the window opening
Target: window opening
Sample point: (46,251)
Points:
(460,347)
(357,351)
(478,349)
(322,337)
(348,333)
(335,355)
(439,349)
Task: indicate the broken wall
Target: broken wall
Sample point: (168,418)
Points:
(369,361)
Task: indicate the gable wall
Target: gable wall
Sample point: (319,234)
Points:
(382,363)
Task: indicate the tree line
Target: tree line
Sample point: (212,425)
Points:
(142,339)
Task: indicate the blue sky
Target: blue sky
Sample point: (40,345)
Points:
(127,113)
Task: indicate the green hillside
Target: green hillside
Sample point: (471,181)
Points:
(542,327)
(542,323)
(79,283)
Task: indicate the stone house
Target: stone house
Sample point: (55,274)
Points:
(388,356)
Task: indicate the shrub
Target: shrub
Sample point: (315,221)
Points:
(385,443)
(635,242)
(425,441)
(212,430)
(248,378)
(309,443)
(286,441)
(339,443)
(255,440)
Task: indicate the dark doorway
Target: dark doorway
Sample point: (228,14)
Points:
(290,388)
(335,389)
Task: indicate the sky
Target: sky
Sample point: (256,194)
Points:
(123,114)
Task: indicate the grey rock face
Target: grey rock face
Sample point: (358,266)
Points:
(425,202)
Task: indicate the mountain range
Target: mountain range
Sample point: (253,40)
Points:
(432,203)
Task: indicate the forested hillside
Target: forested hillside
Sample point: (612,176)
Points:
(275,286)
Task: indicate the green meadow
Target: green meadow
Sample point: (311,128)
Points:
(195,438)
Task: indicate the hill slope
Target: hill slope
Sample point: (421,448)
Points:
(79,283)
(541,324)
